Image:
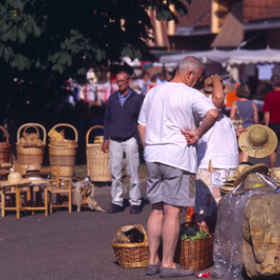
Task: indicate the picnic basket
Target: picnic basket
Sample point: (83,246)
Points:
(130,255)
(97,161)
(62,153)
(197,254)
(5,148)
(30,148)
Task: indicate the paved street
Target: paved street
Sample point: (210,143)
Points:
(69,246)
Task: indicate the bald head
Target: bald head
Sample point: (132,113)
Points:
(188,71)
(189,63)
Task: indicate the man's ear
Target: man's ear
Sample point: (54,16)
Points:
(189,74)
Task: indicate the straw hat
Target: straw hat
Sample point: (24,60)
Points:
(208,86)
(275,174)
(258,141)
(14,179)
(261,168)
(238,170)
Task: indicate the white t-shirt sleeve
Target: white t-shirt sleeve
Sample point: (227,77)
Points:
(201,104)
(142,119)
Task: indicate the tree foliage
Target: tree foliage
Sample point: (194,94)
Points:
(52,39)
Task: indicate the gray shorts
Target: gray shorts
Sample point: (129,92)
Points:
(170,185)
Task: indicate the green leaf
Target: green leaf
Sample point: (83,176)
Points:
(4,27)
(58,67)
(36,29)
(1,50)
(37,64)
(13,34)
(63,58)
(181,8)
(28,26)
(21,35)
(55,57)
(127,51)
(100,54)
(82,71)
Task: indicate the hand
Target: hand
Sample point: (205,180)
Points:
(240,131)
(191,136)
(216,78)
(203,226)
(105,147)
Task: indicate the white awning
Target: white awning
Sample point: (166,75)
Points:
(225,58)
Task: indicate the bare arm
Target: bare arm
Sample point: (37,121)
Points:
(256,114)
(192,136)
(232,110)
(142,131)
(266,117)
(218,96)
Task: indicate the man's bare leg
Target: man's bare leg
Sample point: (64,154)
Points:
(170,233)
(154,231)
(272,159)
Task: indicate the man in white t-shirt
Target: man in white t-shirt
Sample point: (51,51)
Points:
(171,163)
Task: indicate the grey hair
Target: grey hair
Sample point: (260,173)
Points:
(189,63)
(125,72)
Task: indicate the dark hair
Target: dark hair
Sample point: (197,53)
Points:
(275,80)
(243,91)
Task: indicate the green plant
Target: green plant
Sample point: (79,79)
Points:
(198,235)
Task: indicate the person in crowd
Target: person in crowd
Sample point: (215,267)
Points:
(217,151)
(144,82)
(120,130)
(248,111)
(272,114)
(160,78)
(171,162)
(153,82)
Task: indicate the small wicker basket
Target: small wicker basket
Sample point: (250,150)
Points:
(130,255)
(62,153)
(97,161)
(197,254)
(30,148)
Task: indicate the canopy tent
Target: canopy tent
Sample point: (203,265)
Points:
(234,57)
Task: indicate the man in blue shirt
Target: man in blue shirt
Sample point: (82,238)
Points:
(120,137)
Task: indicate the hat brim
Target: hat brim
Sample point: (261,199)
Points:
(258,152)
(35,174)
(260,168)
(17,183)
(39,182)
(227,89)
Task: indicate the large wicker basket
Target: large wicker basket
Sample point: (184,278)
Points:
(97,161)
(197,254)
(62,153)
(5,148)
(131,255)
(30,150)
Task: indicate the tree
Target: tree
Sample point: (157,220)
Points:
(53,40)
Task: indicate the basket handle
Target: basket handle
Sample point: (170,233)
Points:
(144,232)
(35,125)
(68,125)
(199,224)
(6,134)
(92,128)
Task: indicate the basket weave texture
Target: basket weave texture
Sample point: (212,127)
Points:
(30,151)
(197,254)
(130,255)
(97,161)
(5,148)
(62,153)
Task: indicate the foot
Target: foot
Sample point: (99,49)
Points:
(135,209)
(178,271)
(115,209)
(152,269)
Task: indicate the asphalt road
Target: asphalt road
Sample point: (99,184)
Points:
(70,246)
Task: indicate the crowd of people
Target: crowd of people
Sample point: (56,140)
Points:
(190,147)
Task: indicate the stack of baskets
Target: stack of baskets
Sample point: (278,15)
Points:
(62,152)
(97,161)
(30,148)
(5,148)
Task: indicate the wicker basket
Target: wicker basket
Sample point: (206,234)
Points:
(198,254)
(97,161)
(62,153)
(30,150)
(132,254)
(5,148)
